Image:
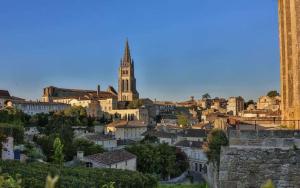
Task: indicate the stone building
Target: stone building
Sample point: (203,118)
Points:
(127,82)
(289,34)
(127,130)
(118,159)
(32,107)
(253,157)
(195,153)
(269,103)
(235,105)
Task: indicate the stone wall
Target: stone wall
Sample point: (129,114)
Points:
(253,157)
(264,138)
(251,167)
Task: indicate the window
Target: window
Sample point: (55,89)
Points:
(196,167)
(89,165)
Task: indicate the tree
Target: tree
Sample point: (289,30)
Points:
(182,120)
(159,159)
(58,157)
(268,184)
(248,103)
(216,139)
(206,96)
(88,147)
(273,93)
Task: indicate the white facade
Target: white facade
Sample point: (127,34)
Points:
(197,158)
(8,149)
(123,165)
(140,114)
(235,105)
(32,108)
(130,133)
(107,144)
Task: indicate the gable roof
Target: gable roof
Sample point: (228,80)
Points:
(111,157)
(4,94)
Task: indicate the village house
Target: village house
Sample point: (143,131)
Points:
(193,135)
(108,142)
(118,159)
(127,130)
(163,137)
(235,105)
(32,108)
(196,155)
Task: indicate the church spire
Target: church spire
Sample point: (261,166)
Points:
(127,57)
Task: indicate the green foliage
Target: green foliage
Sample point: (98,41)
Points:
(149,139)
(159,159)
(206,96)
(135,104)
(6,181)
(33,175)
(33,152)
(268,184)
(13,116)
(16,131)
(216,139)
(248,103)
(58,157)
(88,147)
(273,93)
(182,120)
(50,182)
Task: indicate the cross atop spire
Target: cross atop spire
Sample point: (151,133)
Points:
(127,57)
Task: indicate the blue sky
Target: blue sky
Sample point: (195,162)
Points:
(181,48)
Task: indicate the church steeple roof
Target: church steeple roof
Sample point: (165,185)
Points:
(127,57)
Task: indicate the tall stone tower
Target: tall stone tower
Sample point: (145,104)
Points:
(127,83)
(289,34)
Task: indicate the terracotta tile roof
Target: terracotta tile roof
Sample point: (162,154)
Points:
(127,124)
(111,157)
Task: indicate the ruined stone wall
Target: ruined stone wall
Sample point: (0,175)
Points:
(253,157)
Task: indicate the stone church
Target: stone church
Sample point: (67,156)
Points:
(126,87)
(127,82)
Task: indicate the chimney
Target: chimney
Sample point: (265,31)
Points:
(98,90)
(80,155)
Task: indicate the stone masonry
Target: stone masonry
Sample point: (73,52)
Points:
(289,34)
(253,157)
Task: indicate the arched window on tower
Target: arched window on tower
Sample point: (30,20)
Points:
(123,85)
(127,85)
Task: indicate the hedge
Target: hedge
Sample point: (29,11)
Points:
(34,175)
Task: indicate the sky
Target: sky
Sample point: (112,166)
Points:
(181,48)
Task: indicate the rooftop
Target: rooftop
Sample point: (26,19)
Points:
(111,157)
(127,124)
(193,133)
(192,144)
(160,134)
(99,137)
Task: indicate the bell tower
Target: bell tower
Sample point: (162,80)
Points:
(127,82)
